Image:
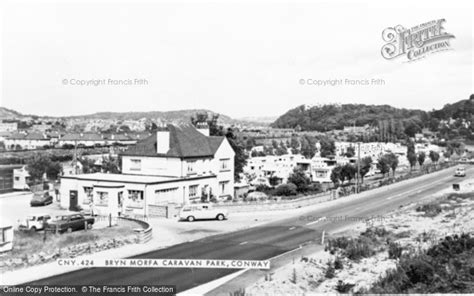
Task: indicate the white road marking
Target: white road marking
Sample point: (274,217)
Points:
(418,189)
(243,243)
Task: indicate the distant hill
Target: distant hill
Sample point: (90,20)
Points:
(463,109)
(335,116)
(9,114)
(179,116)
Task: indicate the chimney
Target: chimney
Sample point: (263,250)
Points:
(162,140)
(203,128)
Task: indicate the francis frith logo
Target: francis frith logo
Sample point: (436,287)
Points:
(416,42)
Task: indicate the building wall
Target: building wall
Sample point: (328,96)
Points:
(225,152)
(154,166)
(137,198)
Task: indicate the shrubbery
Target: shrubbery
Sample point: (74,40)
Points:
(286,189)
(443,268)
(354,249)
(431,209)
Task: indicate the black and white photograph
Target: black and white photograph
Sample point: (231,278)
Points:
(236,147)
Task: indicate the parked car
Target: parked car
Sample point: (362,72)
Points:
(460,172)
(40,199)
(70,223)
(202,211)
(34,222)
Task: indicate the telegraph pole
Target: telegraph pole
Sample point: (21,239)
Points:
(358,166)
(75,157)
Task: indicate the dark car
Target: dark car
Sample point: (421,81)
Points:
(69,223)
(41,200)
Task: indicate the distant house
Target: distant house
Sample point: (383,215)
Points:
(175,165)
(31,140)
(8,126)
(21,178)
(86,139)
(122,139)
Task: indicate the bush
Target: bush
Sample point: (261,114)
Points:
(444,268)
(286,189)
(338,264)
(342,287)
(330,271)
(375,232)
(354,249)
(315,188)
(431,209)
(394,250)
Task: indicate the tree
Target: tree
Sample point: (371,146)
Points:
(294,145)
(350,152)
(393,162)
(434,156)
(328,146)
(281,149)
(88,166)
(411,154)
(54,170)
(383,164)
(411,129)
(211,120)
(240,159)
(274,144)
(308,146)
(455,147)
(349,172)
(40,165)
(336,175)
(250,143)
(300,179)
(421,158)
(365,166)
(111,165)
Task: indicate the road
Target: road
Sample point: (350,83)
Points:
(262,242)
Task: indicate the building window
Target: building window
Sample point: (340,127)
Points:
(165,195)
(223,187)
(135,198)
(88,195)
(193,191)
(135,164)
(103,198)
(224,164)
(17,178)
(191,167)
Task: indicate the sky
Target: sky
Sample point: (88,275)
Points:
(239,58)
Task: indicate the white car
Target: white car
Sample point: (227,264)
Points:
(460,172)
(202,211)
(34,222)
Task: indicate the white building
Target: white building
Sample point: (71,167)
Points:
(21,177)
(86,139)
(273,166)
(176,165)
(31,140)
(8,126)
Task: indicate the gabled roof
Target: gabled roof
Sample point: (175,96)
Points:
(185,141)
(36,136)
(82,137)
